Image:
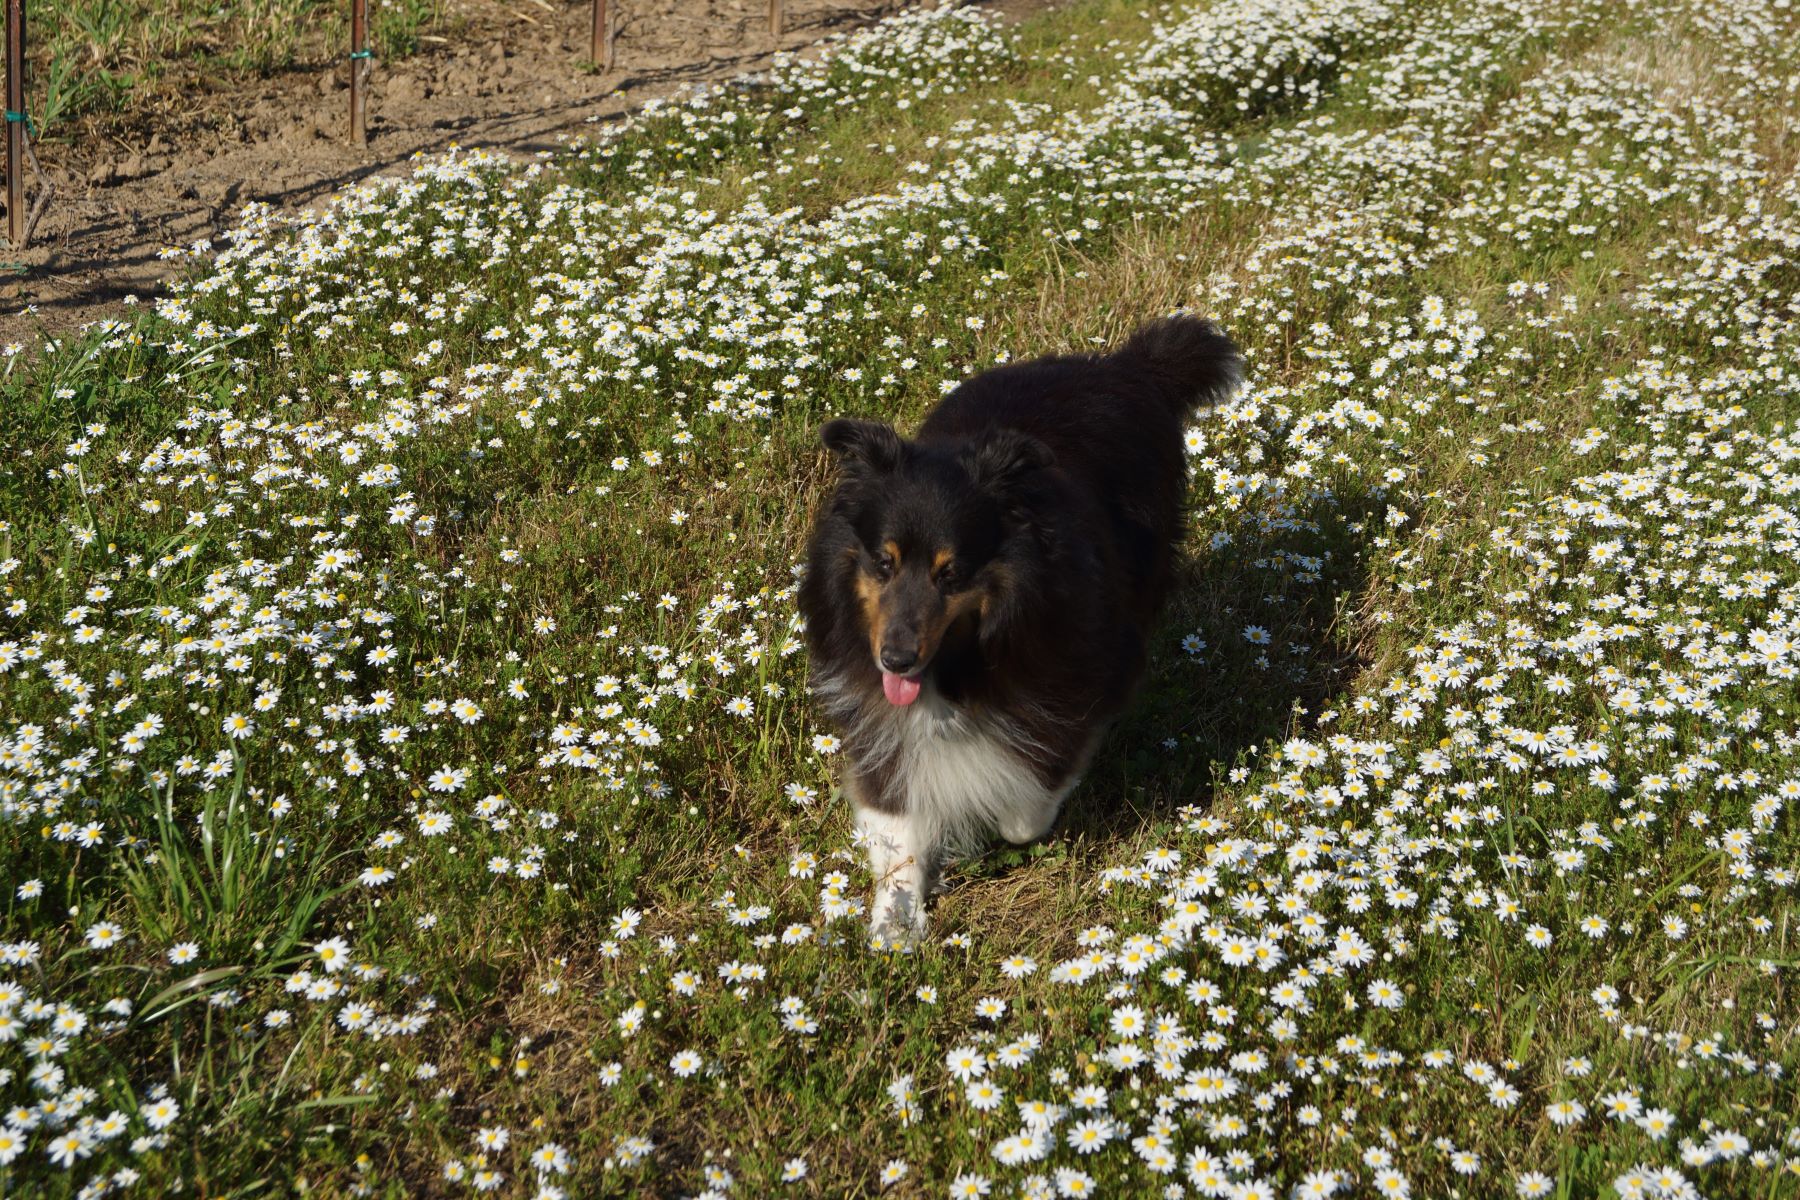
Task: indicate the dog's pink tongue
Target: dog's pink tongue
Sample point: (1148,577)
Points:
(900,690)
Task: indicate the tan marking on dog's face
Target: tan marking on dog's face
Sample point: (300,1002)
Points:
(997,578)
(935,625)
(961,605)
(868,596)
(924,606)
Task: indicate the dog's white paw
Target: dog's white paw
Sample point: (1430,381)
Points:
(898,913)
(902,860)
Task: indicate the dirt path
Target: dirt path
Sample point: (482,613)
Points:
(512,78)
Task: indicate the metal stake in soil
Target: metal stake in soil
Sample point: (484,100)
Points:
(15,122)
(359,59)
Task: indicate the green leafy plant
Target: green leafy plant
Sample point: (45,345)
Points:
(208,878)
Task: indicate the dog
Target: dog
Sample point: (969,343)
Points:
(978,600)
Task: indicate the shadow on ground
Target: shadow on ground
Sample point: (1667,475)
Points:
(1197,716)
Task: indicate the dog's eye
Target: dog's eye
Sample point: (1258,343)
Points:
(884,566)
(947,576)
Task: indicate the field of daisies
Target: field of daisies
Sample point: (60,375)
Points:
(408,776)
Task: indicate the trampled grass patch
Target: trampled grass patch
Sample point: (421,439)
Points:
(409,776)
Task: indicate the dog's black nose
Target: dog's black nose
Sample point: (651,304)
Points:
(897,660)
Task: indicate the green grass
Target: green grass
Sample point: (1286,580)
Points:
(1407,495)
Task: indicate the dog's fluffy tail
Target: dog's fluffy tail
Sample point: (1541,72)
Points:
(1192,360)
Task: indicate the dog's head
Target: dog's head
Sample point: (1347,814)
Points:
(924,530)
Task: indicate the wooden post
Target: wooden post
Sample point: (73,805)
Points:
(359,57)
(15,122)
(775,18)
(603,37)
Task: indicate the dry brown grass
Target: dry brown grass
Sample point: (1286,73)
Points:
(1683,71)
(1091,299)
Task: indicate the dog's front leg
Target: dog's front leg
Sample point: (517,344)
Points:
(903,859)
(1030,819)
(1033,811)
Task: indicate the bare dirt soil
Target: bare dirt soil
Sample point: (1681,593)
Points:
(515,76)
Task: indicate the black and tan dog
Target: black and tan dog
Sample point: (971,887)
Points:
(978,599)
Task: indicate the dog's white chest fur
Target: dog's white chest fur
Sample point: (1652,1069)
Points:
(962,780)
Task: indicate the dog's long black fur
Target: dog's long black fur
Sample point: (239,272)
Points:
(1012,556)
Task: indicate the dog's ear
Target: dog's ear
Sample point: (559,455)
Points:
(869,443)
(1004,460)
